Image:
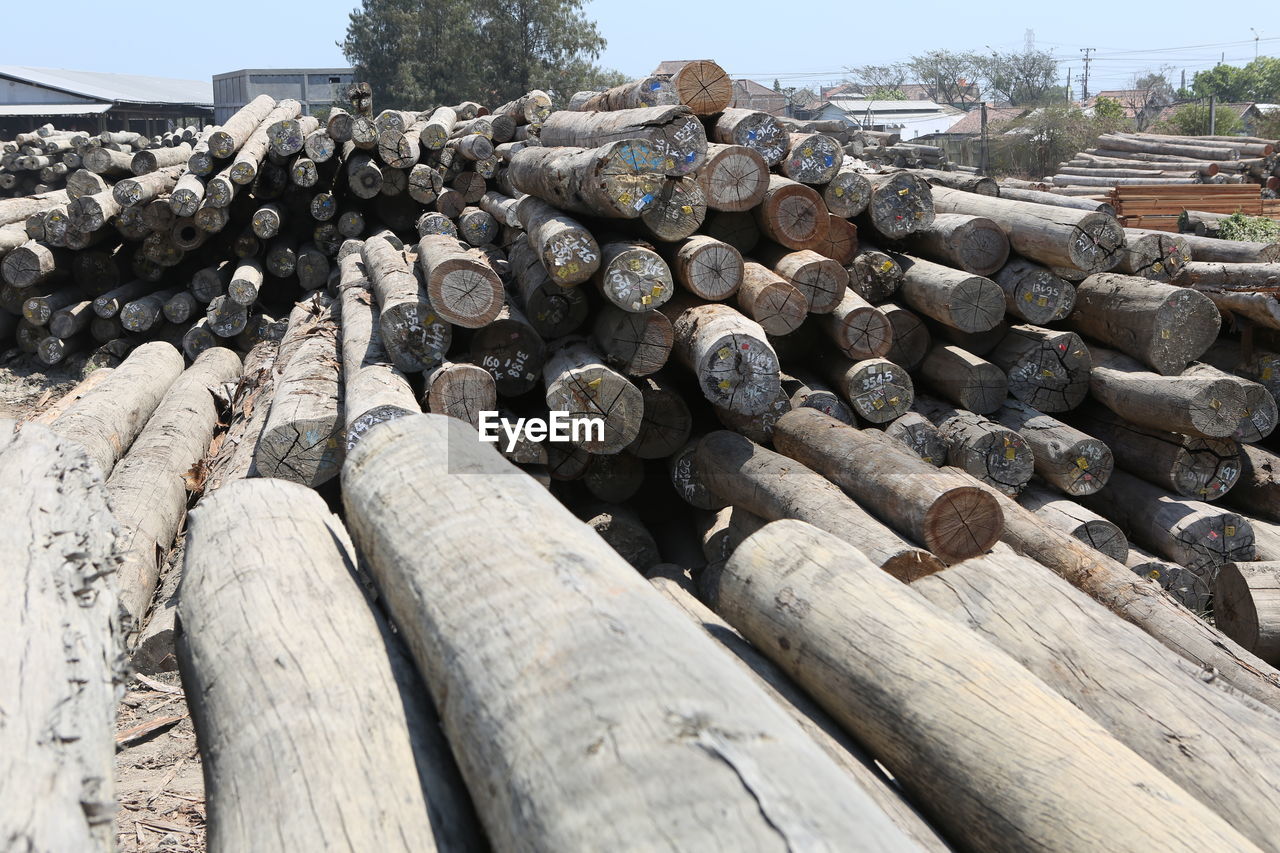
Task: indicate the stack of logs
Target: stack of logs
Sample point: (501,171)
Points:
(1152,159)
(809,376)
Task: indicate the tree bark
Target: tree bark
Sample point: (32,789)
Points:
(900,204)
(974,244)
(636,343)
(1205,406)
(801,596)
(1257,491)
(618,180)
(64,656)
(966,302)
(773,486)
(414,335)
(1246,607)
(674,133)
(552,310)
(1034,293)
(438,590)
(1075,463)
(821,281)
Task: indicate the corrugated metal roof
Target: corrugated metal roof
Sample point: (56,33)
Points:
(52,109)
(125,88)
(862,105)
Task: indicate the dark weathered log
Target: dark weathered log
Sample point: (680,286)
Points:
(974,244)
(874,275)
(32,263)
(144,312)
(64,643)
(1211,249)
(637,343)
(1046,369)
(966,302)
(1246,607)
(677,211)
(1157,255)
(147,489)
(1034,293)
(674,133)
(792,214)
(667,422)
(226,317)
(919,435)
(1260,413)
(970,382)
(877,389)
(1210,407)
(759,426)
(1054,236)
(738,230)
(518,757)
(618,180)
(753,129)
(511,349)
(302,553)
(1257,491)
(807,391)
(303,438)
(579,382)
(933,747)
(735,366)
(1162,326)
(1075,520)
(414,336)
(900,204)
(811,158)
(953,518)
(980,447)
(847,193)
(461,286)
(567,250)
(911,339)
(773,486)
(960,181)
(1074,462)
(1057,633)
(133,191)
(39,308)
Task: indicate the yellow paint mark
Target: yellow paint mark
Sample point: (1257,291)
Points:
(634,264)
(595,383)
(1026,297)
(430,319)
(1082,463)
(1266,373)
(723,352)
(1231,530)
(904,191)
(1215,404)
(877,403)
(1164,334)
(1154,574)
(886,266)
(894,400)
(724,384)
(625,198)
(646,299)
(1043,301)
(808,152)
(657,291)
(686,210)
(1010,453)
(838,192)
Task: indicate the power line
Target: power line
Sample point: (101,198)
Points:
(1084,92)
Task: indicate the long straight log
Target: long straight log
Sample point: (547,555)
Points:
(1057,633)
(617,180)
(1072,518)
(773,486)
(674,133)
(227,139)
(966,302)
(1207,406)
(351,708)
(568,251)
(974,244)
(63,649)
(147,489)
(819,609)
(651,91)
(438,589)
(415,337)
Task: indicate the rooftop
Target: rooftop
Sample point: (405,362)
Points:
(117,88)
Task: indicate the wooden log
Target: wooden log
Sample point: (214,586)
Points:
(651,91)
(39,308)
(1260,414)
(227,139)
(1200,468)
(1212,249)
(772,486)
(138,190)
(841,242)
(752,129)
(1054,236)
(65,655)
(400,558)
(734,177)
(678,210)
(1156,255)
(1075,463)
(224,631)
(1145,605)
(373,389)
(918,434)
(921,740)
(673,132)
(632,276)
(900,204)
(1057,633)
(807,391)
(107,420)
(966,302)
(67,321)
(147,489)
(552,310)
(874,275)
(911,339)
(141,314)
(567,250)
(1151,145)
(953,518)
(1039,197)
(510,349)
(1162,326)
(792,214)
(735,366)
(970,382)
(302,440)
(738,230)
(1246,597)
(32,263)
(1034,293)
(226,317)
(848,192)
(811,158)
(461,391)
(580,383)
(857,328)
(773,302)
(1210,407)
(461,286)
(1188,532)
(981,448)
(877,389)
(974,244)
(617,180)
(703,86)
(414,335)
(757,427)
(667,422)
(1257,491)
(636,343)
(145,162)
(477,227)
(1077,521)
(1046,369)
(821,281)
(706,267)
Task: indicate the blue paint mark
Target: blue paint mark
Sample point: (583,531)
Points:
(751,134)
(829,159)
(691,156)
(655,86)
(648,197)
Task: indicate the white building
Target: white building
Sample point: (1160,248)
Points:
(906,118)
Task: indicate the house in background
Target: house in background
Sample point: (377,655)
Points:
(94,101)
(1143,107)
(315,88)
(750,95)
(1249,114)
(909,119)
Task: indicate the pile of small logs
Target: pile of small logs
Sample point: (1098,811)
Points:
(816,382)
(1152,159)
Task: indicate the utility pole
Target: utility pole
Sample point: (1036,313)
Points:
(1213,114)
(1068,85)
(983,152)
(1255,43)
(1183,87)
(1084,93)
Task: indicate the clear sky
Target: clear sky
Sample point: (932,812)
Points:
(799,45)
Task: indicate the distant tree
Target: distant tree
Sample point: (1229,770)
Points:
(1193,120)
(1023,78)
(1048,135)
(417,53)
(1110,110)
(777,87)
(949,77)
(1258,81)
(1156,83)
(1150,91)
(887,95)
(1269,126)
(871,78)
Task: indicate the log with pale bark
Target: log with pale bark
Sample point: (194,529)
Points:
(461,286)
(1061,513)
(759,131)
(148,487)
(674,134)
(64,652)
(819,609)
(772,486)
(651,91)
(108,419)
(1246,607)
(414,336)
(734,178)
(970,382)
(579,382)
(980,447)
(1129,680)
(966,302)
(792,214)
(729,354)
(618,180)
(566,249)
(974,244)
(1067,458)
(1206,406)
(437,587)
(349,707)
(953,518)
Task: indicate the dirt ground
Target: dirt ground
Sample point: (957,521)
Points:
(159,785)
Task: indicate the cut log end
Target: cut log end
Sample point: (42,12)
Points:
(966,520)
